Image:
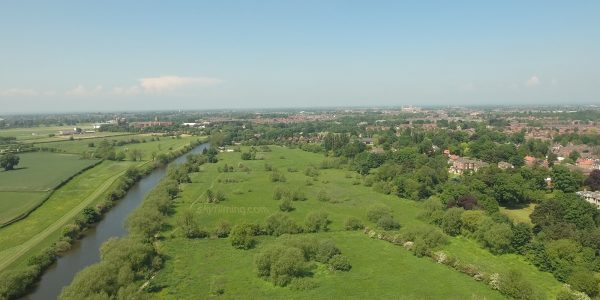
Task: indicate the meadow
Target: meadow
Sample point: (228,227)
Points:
(30,183)
(380,269)
(41,171)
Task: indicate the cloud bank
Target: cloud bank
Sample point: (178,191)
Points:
(145,86)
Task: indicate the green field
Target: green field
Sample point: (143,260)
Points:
(41,171)
(148,147)
(380,269)
(519,214)
(20,238)
(42,134)
(38,173)
(13,204)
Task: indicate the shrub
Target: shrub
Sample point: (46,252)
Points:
(387,223)
(277,177)
(303,284)
(353,223)
(280,223)
(316,221)
(280,264)
(326,249)
(241,236)
(515,285)
(323,196)
(434,211)
(375,212)
(339,263)
(425,239)
(452,221)
(286,206)
(584,281)
(223,229)
(188,223)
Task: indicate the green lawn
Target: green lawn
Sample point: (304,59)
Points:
(380,269)
(41,171)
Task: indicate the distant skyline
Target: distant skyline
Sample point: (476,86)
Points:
(63,56)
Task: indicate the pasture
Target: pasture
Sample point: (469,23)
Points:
(41,171)
(380,269)
(42,226)
(37,174)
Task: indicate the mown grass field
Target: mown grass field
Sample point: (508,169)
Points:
(13,204)
(380,269)
(37,174)
(41,171)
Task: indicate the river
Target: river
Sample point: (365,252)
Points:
(87,250)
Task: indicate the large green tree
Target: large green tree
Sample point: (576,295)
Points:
(9,161)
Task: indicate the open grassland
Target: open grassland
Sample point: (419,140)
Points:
(519,214)
(380,269)
(20,238)
(41,171)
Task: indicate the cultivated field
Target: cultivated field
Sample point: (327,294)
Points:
(41,171)
(196,268)
(37,174)
(41,226)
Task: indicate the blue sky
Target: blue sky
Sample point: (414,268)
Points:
(139,55)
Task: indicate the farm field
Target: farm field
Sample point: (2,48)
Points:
(37,174)
(17,239)
(13,204)
(41,171)
(42,134)
(380,269)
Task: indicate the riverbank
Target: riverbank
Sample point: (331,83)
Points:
(28,263)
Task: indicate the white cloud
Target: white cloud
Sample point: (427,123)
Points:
(533,81)
(127,91)
(166,83)
(14,92)
(81,91)
(149,85)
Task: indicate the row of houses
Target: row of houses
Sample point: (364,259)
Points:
(591,197)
